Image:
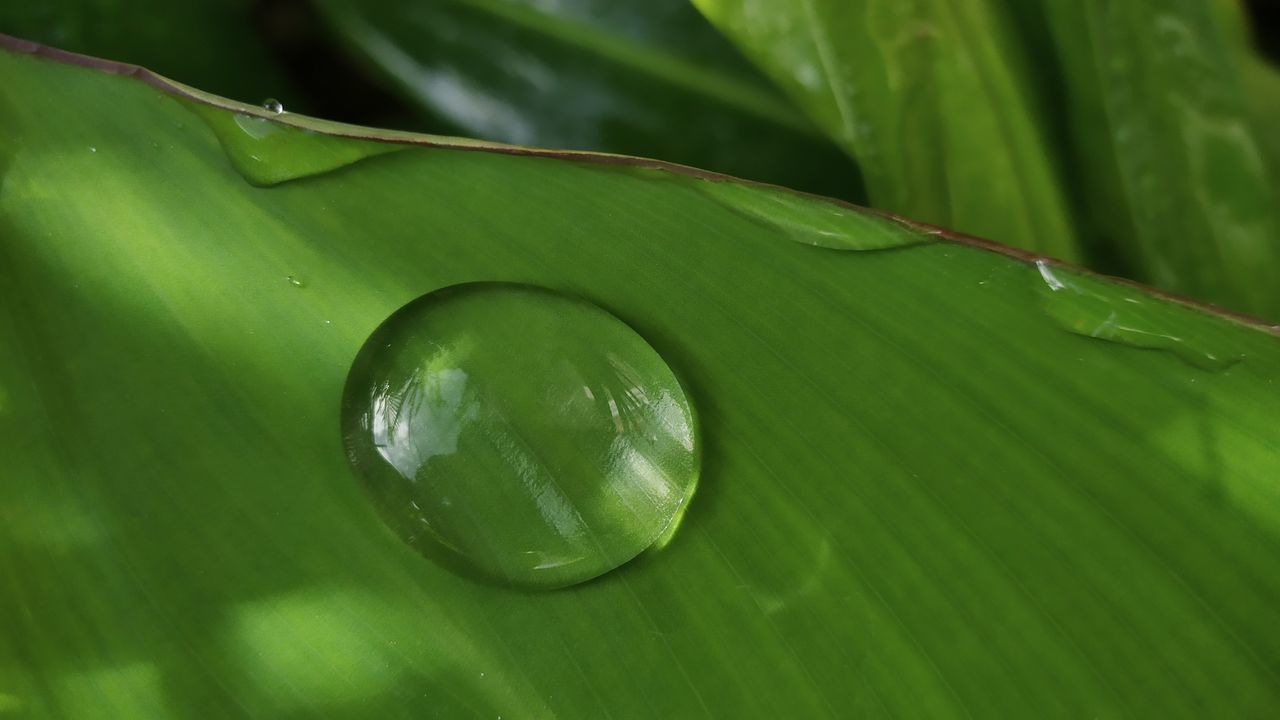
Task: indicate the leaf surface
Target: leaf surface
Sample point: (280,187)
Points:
(937,479)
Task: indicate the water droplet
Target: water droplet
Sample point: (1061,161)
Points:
(268,152)
(1091,306)
(296,281)
(93,149)
(517,434)
(814,221)
(273,105)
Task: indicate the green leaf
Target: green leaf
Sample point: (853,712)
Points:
(211,44)
(927,97)
(1262,87)
(937,479)
(1172,167)
(1261,79)
(641,77)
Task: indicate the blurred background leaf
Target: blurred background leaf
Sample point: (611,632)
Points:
(930,98)
(1257,53)
(1164,151)
(640,77)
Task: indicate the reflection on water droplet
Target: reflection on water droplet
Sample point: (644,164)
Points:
(518,434)
(93,149)
(273,105)
(296,281)
(268,152)
(814,221)
(1091,306)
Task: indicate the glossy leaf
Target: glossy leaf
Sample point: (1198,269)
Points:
(928,97)
(937,479)
(642,77)
(1168,156)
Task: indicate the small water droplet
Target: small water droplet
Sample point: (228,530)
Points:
(93,149)
(465,419)
(267,151)
(814,221)
(296,281)
(273,105)
(1091,306)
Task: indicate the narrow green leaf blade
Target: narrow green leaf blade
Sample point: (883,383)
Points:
(1261,79)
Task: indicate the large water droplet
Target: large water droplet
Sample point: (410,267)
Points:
(518,434)
(268,152)
(813,221)
(273,105)
(1090,306)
